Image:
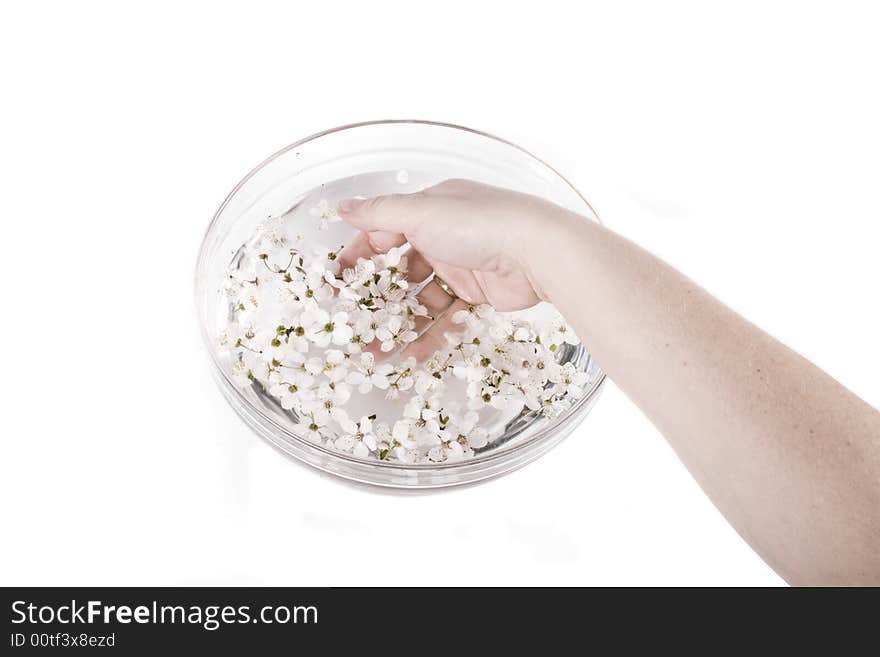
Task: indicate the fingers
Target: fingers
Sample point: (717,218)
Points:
(435,299)
(366,245)
(417,267)
(439,304)
(432,296)
(435,337)
(395,213)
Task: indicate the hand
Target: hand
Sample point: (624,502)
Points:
(789,455)
(472,236)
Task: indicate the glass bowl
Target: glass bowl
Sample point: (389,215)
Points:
(368,159)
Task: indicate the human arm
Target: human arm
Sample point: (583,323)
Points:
(789,456)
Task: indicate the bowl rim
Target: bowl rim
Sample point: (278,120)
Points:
(570,415)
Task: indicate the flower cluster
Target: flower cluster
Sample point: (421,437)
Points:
(312,335)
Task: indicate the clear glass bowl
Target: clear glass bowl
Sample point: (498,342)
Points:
(368,159)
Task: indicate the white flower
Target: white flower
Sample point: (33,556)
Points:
(326,261)
(399,379)
(404,434)
(395,332)
(425,383)
(454,451)
(292,395)
(293,362)
(295,335)
(465,431)
(554,406)
(439,363)
(332,395)
(474,316)
(425,414)
(412,308)
(394,261)
(324,329)
(335,365)
(471,368)
(388,289)
(359,275)
(306,282)
(362,372)
(326,213)
(241,374)
(557,333)
(314,365)
(364,330)
(356,438)
(274,234)
(570,381)
(313,427)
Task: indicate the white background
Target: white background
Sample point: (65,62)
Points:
(738,140)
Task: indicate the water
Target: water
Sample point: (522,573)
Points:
(503,426)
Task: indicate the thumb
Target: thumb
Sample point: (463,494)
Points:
(396,213)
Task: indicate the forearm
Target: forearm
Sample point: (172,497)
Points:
(786,453)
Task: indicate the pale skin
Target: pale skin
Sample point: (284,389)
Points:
(786,453)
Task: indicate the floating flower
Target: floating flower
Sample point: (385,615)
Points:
(325,213)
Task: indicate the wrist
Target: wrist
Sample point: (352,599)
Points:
(548,247)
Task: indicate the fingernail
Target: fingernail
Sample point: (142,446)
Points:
(348,205)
